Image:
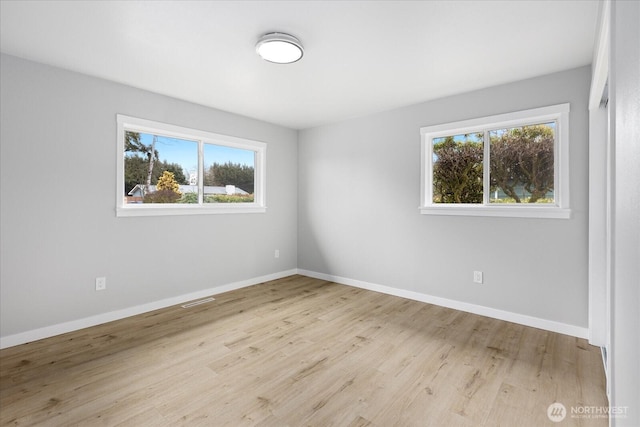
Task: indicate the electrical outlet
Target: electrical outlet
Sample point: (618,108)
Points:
(276,254)
(477,276)
(101,283)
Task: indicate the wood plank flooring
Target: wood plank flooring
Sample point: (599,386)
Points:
(301,352)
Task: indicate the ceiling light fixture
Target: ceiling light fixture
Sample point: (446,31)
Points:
(280,48)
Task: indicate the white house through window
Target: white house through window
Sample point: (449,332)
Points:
(170,170)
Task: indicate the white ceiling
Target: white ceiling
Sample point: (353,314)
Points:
(360,57)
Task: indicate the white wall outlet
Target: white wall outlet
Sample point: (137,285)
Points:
(101,283)
(477,276)
(276,254)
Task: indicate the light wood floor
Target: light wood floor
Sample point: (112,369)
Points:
(297,352)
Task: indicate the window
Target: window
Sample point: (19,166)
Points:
(171,170)
(513,164)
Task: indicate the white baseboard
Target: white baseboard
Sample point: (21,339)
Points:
(74,325)
(522,319)
(98,319)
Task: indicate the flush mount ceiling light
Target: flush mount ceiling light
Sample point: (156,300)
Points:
(280,48)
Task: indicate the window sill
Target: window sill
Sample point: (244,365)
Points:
(155,210)
(498,211)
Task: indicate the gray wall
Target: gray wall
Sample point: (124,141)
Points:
(58,225)
(625,288)
(358,197)
(357,185)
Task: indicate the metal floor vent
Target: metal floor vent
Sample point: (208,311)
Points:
(202,301)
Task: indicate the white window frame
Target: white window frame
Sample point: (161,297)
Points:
(127,123)
(560,209)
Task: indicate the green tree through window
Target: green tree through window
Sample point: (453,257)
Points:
(458,169)
(521,166)
(522,159)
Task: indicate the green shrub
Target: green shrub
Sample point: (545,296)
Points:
(225,198)
(522,200)
(189,198)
